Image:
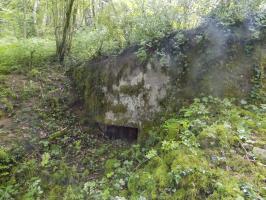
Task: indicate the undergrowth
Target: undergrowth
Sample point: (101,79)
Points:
(205,152)
(24,54)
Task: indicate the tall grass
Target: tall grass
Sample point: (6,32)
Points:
(21,54)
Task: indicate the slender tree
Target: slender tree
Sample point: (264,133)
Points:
(34,15)
(64,44)
(24,19)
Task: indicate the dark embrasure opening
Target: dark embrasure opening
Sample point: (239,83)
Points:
(121,132)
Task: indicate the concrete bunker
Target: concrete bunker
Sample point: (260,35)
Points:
(127,90)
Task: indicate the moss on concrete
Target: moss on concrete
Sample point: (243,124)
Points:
(118,108)
(132,90)
(197,67)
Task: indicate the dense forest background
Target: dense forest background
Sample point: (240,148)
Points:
(97,27)
(212,148)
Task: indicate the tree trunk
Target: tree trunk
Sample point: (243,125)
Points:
(93,8)
(24,19)
(45,17)
(63,46)
(34,15)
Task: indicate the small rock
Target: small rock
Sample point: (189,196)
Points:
(251,142)
(232,151)
(248,147)
(260,154)
(243,101)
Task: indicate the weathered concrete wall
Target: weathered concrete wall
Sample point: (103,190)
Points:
(211,60)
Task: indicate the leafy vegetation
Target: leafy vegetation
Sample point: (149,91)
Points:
(206,150)
(30,53)
(211,149)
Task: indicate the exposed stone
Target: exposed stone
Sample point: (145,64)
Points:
(260,154)
(247,146)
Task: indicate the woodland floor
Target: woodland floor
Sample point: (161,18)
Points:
(53,145)
(42,113)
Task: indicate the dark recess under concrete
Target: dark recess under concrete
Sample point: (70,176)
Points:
(129,134)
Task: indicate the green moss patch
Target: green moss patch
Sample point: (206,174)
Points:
(132,90)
